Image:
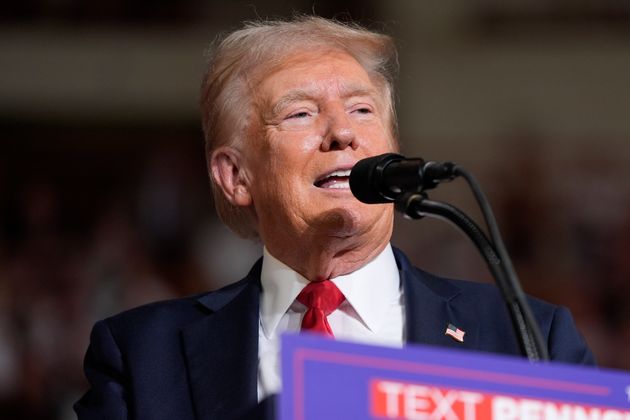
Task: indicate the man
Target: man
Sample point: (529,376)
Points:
(288,109)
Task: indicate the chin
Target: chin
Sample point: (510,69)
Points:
(344,222)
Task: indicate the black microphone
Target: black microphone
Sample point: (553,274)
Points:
(383,178)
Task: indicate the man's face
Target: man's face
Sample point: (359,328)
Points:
(319,114)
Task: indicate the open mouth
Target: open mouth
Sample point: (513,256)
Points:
(339,179)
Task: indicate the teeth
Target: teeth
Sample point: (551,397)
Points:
(339,185)
(339,173)
(338,179)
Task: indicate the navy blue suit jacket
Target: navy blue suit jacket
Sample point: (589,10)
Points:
(197,357)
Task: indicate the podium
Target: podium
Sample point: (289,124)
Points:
(328,379)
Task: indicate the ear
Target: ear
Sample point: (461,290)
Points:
(228,172)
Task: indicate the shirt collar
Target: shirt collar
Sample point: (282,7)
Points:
(373,288)
(280,285)
(370,289)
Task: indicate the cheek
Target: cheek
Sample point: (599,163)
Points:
(292,151)
(280,163)
(378,141)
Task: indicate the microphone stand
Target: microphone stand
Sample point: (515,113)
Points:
(417,205)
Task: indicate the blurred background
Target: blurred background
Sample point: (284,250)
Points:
(104,198)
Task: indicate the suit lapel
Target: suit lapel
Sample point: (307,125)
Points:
(430,305)
(221,350)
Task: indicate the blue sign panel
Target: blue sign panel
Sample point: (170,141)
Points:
(328,379)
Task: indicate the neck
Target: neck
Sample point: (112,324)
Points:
(320,258)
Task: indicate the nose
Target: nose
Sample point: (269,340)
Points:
(340,133)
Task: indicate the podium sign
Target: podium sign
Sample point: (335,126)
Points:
(328,379)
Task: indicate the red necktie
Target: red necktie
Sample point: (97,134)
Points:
(321,298)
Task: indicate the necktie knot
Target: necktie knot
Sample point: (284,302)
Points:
(321,298)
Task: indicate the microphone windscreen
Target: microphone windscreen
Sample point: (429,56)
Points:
(365,178)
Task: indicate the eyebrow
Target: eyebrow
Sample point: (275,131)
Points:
(348,91)
(292,96)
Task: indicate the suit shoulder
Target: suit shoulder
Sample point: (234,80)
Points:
(161,315)
(484,301)
(176,310)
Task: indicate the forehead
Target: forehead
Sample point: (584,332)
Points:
(317,73)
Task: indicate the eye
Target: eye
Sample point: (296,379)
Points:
(361,106)
(362,110)
(300,114)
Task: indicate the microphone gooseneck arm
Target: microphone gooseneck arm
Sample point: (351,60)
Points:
(530,339)
(514,294)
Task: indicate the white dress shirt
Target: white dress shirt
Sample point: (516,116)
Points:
(372,313)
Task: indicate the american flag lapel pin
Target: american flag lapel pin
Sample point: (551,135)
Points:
(455,333)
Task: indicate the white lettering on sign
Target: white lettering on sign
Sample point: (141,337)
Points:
(507,408)
(399,400)
(392,390)
(419,402)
